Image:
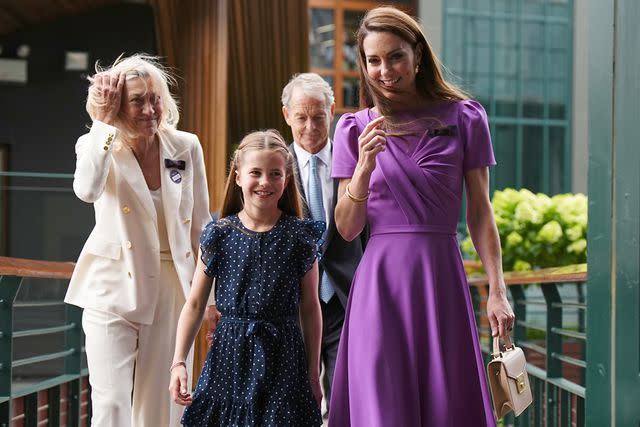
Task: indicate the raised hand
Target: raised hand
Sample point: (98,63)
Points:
(371,141)
(107,88)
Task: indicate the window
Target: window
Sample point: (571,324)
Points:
(332,41)
(515,57)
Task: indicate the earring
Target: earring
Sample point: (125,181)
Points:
(417,68)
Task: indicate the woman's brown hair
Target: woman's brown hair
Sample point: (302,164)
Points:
(429,79)
(270,140)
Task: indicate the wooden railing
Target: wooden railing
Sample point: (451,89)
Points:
(61,399)
(555,350)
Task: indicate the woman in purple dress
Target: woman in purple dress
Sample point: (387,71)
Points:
(409,353)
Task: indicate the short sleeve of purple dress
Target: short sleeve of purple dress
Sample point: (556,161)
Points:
(420,362)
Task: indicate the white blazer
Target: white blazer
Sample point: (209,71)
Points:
(118,269)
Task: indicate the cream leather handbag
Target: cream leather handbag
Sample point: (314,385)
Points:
(508,379)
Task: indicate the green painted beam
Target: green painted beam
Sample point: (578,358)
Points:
(43,385)
(599,286)
(626,213)
(9,286)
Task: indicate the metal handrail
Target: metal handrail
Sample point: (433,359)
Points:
(552,391)
(569,333)
(43,331)
(38,304)
(42,358)
(37,175)
(69,387)
(544,381)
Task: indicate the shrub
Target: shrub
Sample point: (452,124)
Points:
(538,231)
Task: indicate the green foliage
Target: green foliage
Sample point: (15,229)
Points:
(537,230)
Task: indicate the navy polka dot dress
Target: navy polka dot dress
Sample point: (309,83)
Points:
(256,371)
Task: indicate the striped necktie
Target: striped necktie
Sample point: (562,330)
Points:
(316,208)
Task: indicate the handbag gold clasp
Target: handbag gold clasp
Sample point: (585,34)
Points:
(520,384)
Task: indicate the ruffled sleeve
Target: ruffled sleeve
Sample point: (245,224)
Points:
(478,151)
(345,147)
(210,242)
(309,241)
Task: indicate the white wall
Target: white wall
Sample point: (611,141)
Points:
(430,13)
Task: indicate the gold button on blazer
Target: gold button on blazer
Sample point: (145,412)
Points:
(102,276)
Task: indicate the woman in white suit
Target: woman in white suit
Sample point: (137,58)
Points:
(147,183)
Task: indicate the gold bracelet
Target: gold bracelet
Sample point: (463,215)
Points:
(180,363)
(353,198)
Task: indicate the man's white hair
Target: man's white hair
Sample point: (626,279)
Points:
(310,84)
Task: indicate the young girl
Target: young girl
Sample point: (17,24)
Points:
(259,370)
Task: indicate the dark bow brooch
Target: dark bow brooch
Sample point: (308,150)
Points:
(174,164)
(443,131)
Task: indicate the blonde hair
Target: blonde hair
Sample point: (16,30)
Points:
(139,65)
(269,140)
(429,79)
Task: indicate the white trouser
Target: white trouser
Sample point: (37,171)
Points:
(130,361)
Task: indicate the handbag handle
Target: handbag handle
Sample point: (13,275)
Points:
(508,345)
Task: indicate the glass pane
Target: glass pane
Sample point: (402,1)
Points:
(329,79)
(532,158)
(506,106)
(557,102)
(60,237)
(479,59)
(479,31)
(506,68)
(506,33)
(454,44)
(558,35)
(478,5)
(559,64)
(532,98)
(350,90)
(533,7)
(505,6)
(532,34)
(349,47)
(557,137)
(322,38)
(479,86)
(506,61)
(504,146)
(558,8)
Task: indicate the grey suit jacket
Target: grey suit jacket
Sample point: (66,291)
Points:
(339,258)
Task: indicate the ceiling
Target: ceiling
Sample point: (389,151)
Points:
(15,14)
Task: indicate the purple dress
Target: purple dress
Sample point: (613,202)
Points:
(409,354)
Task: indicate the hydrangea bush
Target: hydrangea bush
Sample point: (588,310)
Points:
(538,231)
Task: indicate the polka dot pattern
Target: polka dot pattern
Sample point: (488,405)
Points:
(256,371)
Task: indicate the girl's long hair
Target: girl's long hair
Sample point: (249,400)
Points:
(429,80)
(270,140)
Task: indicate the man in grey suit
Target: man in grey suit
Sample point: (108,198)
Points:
(308,107)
